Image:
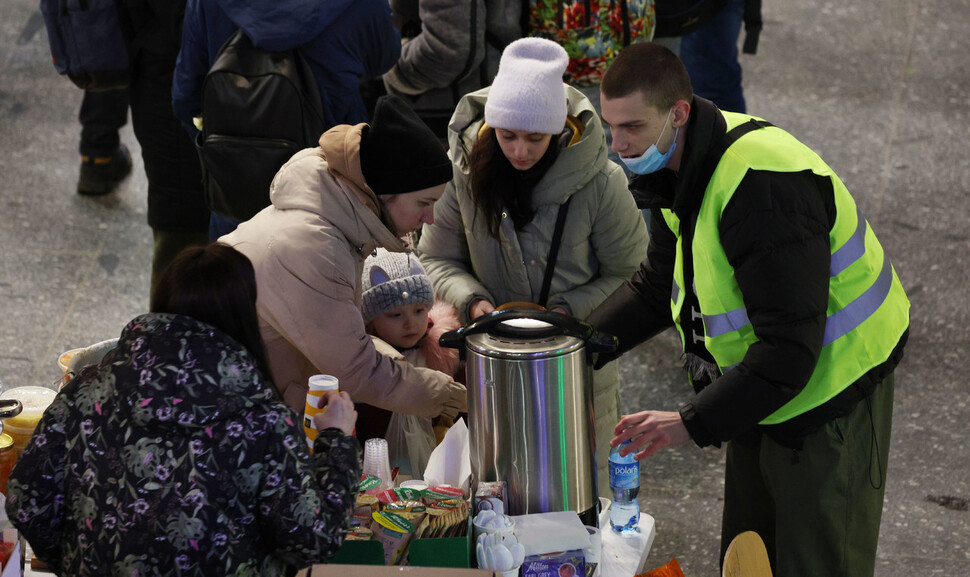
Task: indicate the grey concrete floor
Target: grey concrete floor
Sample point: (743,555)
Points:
(881,89)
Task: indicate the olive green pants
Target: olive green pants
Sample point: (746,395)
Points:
(818,509)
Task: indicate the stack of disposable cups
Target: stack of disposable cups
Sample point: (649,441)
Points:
(377,463)
(318,385)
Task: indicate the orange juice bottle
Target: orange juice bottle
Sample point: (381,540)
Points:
(8,458)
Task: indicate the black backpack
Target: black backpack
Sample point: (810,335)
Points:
(89,41)
(259,108)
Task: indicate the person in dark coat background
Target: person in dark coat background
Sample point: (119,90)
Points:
(177,213)
(344,42)
(451,48)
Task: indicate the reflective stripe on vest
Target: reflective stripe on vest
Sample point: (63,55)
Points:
(863,285)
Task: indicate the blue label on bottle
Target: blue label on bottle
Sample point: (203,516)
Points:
(625,475)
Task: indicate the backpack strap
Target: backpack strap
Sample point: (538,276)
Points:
(732,136)
(720,146)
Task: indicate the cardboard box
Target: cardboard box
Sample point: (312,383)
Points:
(397,571)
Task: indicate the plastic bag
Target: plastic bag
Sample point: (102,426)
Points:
(410,441)
(671,569)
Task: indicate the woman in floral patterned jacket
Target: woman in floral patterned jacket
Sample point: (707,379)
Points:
(174,455)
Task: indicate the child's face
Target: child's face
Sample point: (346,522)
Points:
(404,326)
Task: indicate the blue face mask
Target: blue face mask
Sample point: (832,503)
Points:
(652,160)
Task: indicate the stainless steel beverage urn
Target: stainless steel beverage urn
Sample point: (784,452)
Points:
(530,407)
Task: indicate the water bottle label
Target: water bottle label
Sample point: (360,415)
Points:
(625,475)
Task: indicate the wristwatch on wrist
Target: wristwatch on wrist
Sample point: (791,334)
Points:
(694,428)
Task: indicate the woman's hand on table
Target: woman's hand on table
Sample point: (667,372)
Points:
(340,413)
(650,431)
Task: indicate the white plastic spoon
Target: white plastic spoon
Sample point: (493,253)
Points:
(518,554)
(503,558)
(480,555)
(484,516)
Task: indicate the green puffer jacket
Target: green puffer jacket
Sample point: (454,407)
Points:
(603,242)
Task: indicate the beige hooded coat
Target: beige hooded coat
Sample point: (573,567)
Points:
(308,249)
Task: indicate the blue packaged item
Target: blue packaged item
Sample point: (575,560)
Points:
(570,563)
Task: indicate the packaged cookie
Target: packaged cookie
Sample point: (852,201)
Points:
(440,493)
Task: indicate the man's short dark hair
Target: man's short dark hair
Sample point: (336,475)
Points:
(651,69)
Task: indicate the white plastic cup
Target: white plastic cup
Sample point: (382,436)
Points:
(604,515)
(65,358)
(506,528)
(377,463)
(416,484)
(595,551)
(319,383)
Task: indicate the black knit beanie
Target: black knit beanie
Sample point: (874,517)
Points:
(399,153)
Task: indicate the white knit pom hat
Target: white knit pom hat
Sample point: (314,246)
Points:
(391,280)
(528,92)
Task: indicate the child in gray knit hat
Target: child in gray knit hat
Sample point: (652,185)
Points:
(405,321)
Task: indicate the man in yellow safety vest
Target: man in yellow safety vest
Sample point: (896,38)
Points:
(791,316)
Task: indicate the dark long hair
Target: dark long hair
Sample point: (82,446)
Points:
(215,284)
(496,185)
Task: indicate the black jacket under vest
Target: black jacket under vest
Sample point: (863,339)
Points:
(775,232)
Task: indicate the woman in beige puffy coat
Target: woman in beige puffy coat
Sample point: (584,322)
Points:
(521,149)
(365,186)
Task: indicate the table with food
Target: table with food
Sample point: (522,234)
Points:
(513,490)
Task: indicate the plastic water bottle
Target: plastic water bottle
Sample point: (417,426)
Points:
(625,484)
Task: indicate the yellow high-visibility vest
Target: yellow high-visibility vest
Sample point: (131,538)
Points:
(867,309)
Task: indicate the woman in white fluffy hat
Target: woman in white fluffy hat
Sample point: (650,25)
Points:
(521,150)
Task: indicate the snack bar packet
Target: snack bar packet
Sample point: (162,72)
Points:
(398,494)
(359,534)
(440,493)
(364,507)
